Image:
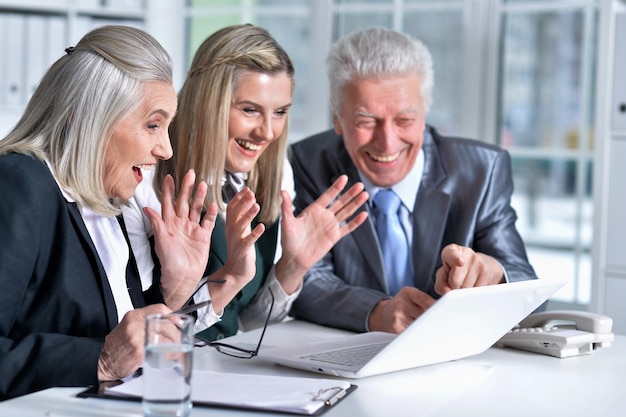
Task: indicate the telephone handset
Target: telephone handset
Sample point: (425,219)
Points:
(560,333)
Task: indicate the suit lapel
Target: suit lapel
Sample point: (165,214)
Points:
(366,240)
(103,282)
(364,236)
(132,272)
(429,217)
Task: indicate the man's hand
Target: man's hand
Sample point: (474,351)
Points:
(395,314)
(464,268)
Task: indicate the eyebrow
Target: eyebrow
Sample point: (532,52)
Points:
(163,113)
(252,103)
(374,116)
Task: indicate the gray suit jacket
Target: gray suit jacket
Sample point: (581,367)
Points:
(464,198)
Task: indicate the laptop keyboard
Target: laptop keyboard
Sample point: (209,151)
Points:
(350,356)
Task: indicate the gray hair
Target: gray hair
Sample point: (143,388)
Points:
(80,100)
(378,53)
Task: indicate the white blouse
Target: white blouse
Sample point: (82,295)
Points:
(108,238)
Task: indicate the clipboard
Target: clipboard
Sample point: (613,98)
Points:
(279,394)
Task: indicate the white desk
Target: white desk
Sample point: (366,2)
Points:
(516,384)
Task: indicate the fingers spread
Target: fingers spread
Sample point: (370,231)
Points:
(182,203)
(350,202)
(241,211)
(358,220)
(255,234)
(332,192)
(195,212)
(210,217)
(167,203)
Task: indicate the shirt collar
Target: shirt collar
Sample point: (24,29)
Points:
(242,175)
(65,194)
(405,189)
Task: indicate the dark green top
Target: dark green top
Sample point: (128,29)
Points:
(265,253)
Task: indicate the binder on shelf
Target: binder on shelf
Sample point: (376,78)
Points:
(35,57)
(55,39)
(4,54)
(288,395)
(14,33)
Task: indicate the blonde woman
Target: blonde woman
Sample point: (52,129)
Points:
(231,129)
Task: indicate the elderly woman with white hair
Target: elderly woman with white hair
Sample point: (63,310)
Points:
(72,306)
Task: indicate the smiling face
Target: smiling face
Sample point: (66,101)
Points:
(258,113)
(382,123)
(140,140)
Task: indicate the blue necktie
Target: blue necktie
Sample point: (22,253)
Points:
(392,240)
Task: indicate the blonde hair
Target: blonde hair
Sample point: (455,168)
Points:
(79,102)
(199,132)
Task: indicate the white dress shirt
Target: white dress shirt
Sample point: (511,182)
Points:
(407,190)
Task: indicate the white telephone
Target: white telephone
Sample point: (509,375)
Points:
(560,333)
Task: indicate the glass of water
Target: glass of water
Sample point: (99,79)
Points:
(168,359)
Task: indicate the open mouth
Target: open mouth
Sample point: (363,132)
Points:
(137,171)
(384,158)
(248,145)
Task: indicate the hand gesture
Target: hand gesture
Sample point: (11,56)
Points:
(464,268)
(182,242)
(240,239)
(240,267)
(395,314)
(307,238)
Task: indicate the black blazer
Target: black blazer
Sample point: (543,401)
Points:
(464,198)
(56,306)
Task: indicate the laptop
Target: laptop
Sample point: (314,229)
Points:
(461,323)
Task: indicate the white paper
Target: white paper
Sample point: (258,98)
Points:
(262,392)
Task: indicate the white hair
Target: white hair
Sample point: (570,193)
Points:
(378,53)
(79,102)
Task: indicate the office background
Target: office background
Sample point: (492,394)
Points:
(535,77)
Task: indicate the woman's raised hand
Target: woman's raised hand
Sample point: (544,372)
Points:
(182,237)
(309,236)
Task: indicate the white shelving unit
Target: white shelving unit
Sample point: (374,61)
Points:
(610,193)
(35,33)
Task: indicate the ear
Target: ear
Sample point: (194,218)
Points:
(337,124)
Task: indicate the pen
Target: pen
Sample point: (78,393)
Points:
(333,400)
(193,307)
